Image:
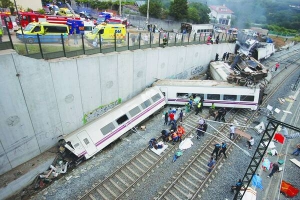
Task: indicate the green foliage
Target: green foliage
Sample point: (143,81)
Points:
(41,11)
(6,4)
(198,13)
(281,30)
(155,9)
(179,9)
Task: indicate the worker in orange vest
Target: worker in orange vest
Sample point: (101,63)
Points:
(180,132)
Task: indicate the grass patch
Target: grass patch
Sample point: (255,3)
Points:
(34,48)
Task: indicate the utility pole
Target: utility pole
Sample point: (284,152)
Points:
(148,3)
(21,27)
(120,8)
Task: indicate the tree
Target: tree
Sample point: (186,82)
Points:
(155,9)
(6,3)
(193,15)
(198,13)
(179,9)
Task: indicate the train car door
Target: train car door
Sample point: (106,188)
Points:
(164,91)
(87,143)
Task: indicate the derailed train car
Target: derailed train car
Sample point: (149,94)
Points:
(94,136)
(221,93)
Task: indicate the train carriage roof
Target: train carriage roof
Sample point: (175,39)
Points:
(190,83)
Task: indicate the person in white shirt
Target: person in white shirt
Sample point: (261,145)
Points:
(232,131)
(250,143)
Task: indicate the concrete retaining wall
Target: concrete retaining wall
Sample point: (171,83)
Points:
(42,100)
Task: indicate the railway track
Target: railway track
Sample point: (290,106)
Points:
(188,183)
(192,180)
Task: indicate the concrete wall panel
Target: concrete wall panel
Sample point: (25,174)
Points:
(173,60)
(66,85)
(109,77)
(152,69)
(125,75)
(4,162)
(139,71)
(89,81)
(180,54)
(16,131)
(42,105)
(163,64)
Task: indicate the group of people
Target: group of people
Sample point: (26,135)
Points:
(173,135)
(225,56)
(211,40)
(219,148)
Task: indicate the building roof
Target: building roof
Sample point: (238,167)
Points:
(221,9)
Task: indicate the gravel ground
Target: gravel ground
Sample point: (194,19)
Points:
(107,161)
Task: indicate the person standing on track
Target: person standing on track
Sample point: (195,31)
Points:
(172,117)
(198,108)
(232,131)
(216,150)
(180,116)
(166,118)
(250,143)
(223,149)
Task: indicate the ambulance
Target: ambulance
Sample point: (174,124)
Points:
(48,32)
(110,31)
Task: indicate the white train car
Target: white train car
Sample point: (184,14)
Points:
(222,94)
(94,136)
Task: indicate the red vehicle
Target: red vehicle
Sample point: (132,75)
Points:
(8,20)
(116,20)
(27,17)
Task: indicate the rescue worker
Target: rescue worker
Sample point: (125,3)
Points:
(172,117)
(198,108)
(175,137)
(223,149)
(220,113)
(200,132)
(180,132)
(223,115)
(237,186)
(201,107)
(216,150)
(165,135)
(181,115)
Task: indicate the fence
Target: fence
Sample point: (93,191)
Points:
(71,46)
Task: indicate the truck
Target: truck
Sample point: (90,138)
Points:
(28,17)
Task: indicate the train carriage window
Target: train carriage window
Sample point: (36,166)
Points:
(108,128)
(134,111)
(156,97)
(230,97)
(182,95)
(86,141)
(199,95)
(146,104)
(213,96)
(247,98)
(122,119)
(76,145)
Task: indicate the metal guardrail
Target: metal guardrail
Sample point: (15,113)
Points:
(135,39)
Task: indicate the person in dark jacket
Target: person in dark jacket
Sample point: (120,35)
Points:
(223,149)
(166,118)
(237,186)
(274,169)
(216,150)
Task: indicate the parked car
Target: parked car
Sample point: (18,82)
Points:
(218,30)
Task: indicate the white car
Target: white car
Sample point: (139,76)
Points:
(15,27)
(219,30)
